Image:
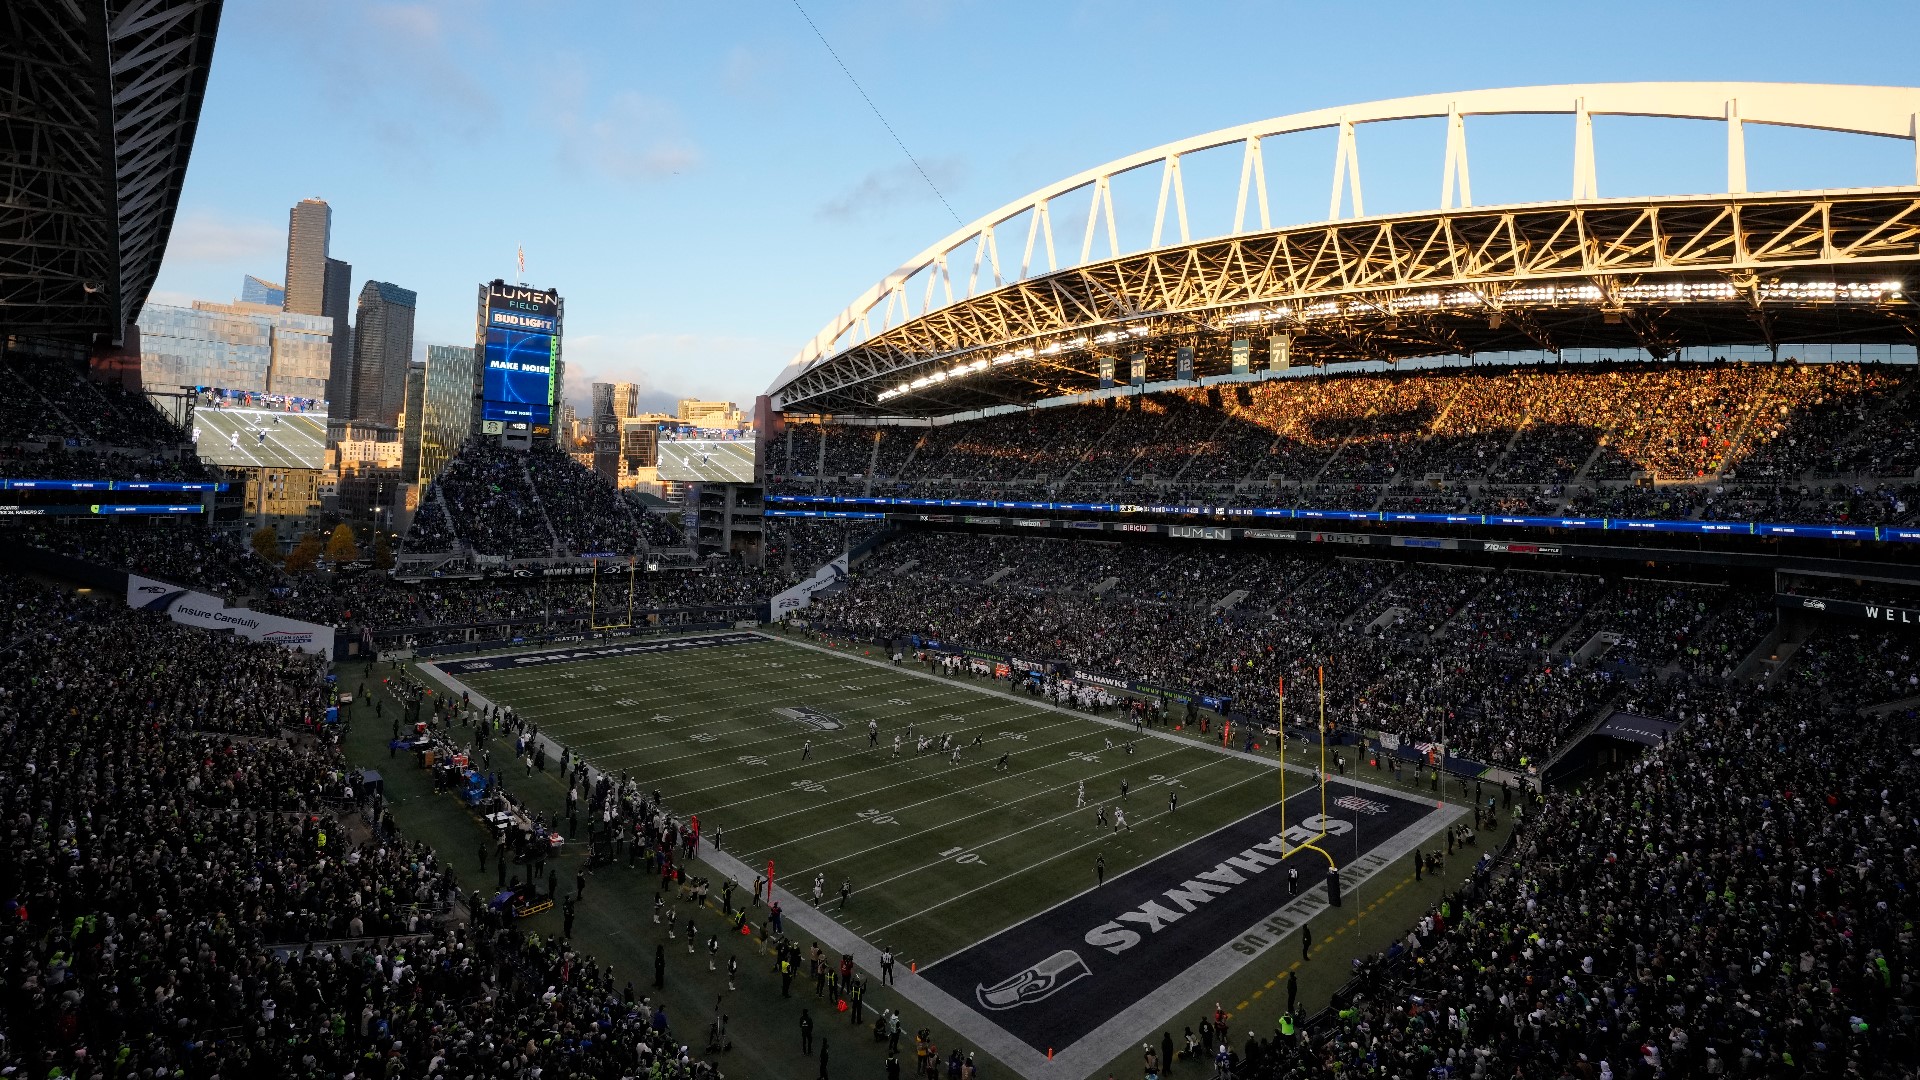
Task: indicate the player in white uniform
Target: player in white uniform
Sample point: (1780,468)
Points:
(1080,797)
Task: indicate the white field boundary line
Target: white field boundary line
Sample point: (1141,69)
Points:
(613,710)
(549,692)
(962,692)
(936,1003)
(1041,862)
(943,701)
(1160,1007)
(1113,1037)
(571,680)
(1147,733)
(821,927)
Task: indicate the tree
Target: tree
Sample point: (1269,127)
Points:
(382,551)
(305,555)
(266,544)
(341,547)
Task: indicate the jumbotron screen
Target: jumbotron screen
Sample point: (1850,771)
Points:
(719,461)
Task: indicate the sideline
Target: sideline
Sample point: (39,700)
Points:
(1115,1037)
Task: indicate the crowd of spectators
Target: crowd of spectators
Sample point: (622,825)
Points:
(1492,661)
(180,551)
(1737,902)
(49,400)
(59,462)
(1567,439)
(586,512)
(492,504)
(199,886)
(531,504)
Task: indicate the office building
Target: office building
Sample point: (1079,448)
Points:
(239,346)
(382,349)
(309,224)
(338,305)
(412,419)
(710,414)
(255,290)
(447,408)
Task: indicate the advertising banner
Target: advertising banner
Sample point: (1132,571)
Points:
(800,597)
(1850,609)
(191,608)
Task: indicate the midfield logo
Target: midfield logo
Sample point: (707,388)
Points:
(810,716)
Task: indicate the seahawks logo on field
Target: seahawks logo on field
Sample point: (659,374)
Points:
(810,716)
(1038,982)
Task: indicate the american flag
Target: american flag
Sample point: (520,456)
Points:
(520,257)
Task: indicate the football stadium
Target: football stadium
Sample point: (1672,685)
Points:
(1476,641)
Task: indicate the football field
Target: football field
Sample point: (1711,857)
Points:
(1031,925)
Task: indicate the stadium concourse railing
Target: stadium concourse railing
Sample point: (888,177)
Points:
(1882,533)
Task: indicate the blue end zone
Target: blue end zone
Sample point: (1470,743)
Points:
(1058,976)
(520,661)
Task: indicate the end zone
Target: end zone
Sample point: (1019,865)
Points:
(1086,976)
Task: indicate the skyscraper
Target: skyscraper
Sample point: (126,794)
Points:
(255,290)
(413,421)
(382,348)
(448,408)
(308,225)
(336,303)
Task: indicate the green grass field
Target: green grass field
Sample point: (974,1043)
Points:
(940,855)
(988,869)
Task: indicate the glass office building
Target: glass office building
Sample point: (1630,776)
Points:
(448,407)
(255,290)
(235,347)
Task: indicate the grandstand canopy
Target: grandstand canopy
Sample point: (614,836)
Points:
(971,323)
(101,103)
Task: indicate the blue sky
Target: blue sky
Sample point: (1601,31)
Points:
(706,189)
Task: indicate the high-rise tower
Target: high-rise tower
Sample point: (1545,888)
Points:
(308,225)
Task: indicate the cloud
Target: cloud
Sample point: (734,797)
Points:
(366,56)
(634,138)
(201,236)
(744,72)
(893,186)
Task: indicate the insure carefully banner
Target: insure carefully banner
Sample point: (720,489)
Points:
(801,596)
(191,608)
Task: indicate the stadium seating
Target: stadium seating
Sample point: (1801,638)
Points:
(528,505)
(206,892)
(1543,439)
(1736,904)
(1484,660)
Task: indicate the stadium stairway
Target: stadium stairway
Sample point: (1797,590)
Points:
(553,538)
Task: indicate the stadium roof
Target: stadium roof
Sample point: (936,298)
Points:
(1654,273)
(101,103)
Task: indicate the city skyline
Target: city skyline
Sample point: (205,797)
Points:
(707,211)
